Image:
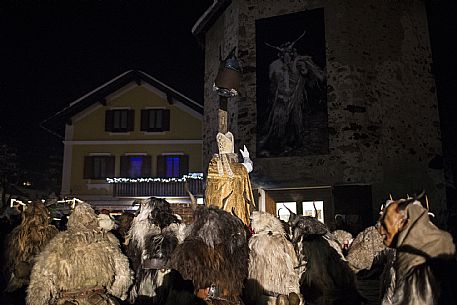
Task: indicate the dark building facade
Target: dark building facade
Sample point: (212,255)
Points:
(337,102)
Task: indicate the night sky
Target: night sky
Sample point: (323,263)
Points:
(53,52)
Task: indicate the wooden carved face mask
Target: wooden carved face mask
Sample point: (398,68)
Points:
(391,222)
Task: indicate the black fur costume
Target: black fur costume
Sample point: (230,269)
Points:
(325,276)
(153,235)
(214,256)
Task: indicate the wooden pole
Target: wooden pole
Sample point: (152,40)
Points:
(222,115)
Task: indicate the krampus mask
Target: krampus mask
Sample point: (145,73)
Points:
(425,265)
(325,277)
(214,255)
(154,233)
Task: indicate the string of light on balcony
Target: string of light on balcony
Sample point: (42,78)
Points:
(193,176)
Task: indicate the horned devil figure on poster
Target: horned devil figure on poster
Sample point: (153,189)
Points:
(228,186)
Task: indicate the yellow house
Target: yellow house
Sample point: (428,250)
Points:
(130,138)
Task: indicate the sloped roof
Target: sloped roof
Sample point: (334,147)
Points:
(56,123)
(208,18)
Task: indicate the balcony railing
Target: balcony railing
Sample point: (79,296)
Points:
(157,189)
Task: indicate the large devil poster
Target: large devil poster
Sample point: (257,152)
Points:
(291,85)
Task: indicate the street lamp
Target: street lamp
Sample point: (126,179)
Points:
(226,85)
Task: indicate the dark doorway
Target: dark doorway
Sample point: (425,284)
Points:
(353,207)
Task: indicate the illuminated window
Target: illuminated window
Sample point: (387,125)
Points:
(308,209)
(135,166)
(169,166)
(172,166)
(283,212)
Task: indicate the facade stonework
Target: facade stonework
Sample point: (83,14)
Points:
(383,121)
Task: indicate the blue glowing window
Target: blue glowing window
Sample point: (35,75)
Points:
(136,165)
(172,166)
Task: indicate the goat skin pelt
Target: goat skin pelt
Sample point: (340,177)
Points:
(82,258)
(272,261)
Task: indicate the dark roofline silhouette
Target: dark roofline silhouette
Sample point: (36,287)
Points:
(56,123)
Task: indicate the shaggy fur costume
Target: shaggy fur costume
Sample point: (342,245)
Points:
(364,248)
(325,276)
(24,242)
(272,261)
(153,235)
(214,254)
(76,262)
(341,237)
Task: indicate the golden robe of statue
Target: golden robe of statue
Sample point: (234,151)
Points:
(228,186)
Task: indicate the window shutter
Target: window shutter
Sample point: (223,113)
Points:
(144,120)
(110,162)
(166,120)
(160,166)
(88,167)
(125,166)
(183,165)
(109,120)
(131,120)
(146,167)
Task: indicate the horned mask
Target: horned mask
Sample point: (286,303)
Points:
(393,219)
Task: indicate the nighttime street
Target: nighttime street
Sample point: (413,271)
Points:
(228,152)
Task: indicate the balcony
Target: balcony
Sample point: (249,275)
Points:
(157,188)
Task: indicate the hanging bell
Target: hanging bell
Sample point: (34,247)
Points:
(227,81)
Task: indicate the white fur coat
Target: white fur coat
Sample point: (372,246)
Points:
(272,260)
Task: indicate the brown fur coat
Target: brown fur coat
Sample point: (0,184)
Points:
(214,253)
(24,242)
(79,259)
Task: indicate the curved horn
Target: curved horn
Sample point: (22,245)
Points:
(192,197)
(290,211)
(420,196)
(315,210)
(278,212)
(292,44)
(274,47)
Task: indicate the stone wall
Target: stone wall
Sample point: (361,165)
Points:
(382,108)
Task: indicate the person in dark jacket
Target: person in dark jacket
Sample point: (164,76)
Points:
(425,263)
